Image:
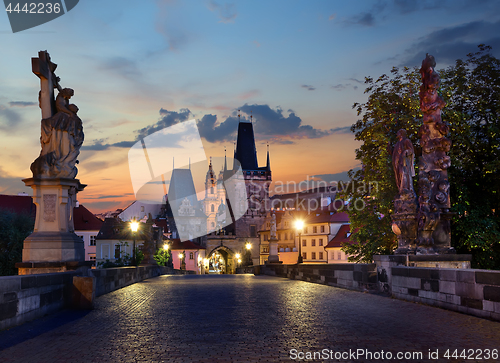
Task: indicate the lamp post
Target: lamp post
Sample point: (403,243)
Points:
(180,260)
(298,226)
(248,246)
(134,226)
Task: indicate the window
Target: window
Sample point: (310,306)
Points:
(211,190)
(339,255)
(292,235)
(285,237)
(279,236)
(304,255)
(313,242)
(212,208)
(333,255)
(265,249)
(304,243)
(315,229)
(92,240)
(117,251)
(320,242)
(142,208)
(253,231)
(322,229)
(191,255)
(213,224)
(305,230)
(265,237)
(313,255)
(81,237)
(321,255)
(268,225)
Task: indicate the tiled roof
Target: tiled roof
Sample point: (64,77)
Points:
(341,237)
(340,217)
(186,245)
(84,220)
(20,204)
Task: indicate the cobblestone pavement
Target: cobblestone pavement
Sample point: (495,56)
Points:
(245,318)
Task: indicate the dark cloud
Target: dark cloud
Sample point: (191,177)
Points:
(269,122)
(168,118)
(226,12)
(341,130)
(225,131)
(9,119)
(356,80)
(21,104)
(449,44)
(343,86)
(309,88)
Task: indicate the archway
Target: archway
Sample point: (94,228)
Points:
(221,261)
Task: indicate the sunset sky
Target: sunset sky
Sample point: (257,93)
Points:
(139,66)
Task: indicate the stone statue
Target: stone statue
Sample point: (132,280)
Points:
(61,129)
(403,157)
(433,193)
(273,226)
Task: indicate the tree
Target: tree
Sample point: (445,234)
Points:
(14,228)
(471,89)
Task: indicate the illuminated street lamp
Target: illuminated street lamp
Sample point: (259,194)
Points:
(299,224)
(248,246)
(165,247)
(134,226)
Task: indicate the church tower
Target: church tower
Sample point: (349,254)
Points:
(211,201)
(257,181)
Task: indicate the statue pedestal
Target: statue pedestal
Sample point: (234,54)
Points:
(273,251)
(53,246)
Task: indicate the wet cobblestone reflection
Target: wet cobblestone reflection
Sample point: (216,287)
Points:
(245,318)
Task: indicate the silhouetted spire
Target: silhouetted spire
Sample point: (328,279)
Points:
(268,165)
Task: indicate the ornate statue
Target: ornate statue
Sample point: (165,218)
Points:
(434,201)
(273,226)
(403,158)
(61,131)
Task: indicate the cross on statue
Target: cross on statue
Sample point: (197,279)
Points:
(44,69)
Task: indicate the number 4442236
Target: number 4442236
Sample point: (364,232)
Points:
(471,354)
(34,8)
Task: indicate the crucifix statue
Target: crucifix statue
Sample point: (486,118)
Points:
(62,130)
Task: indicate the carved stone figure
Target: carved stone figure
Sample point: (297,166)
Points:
(61,128)
(273,226)
(433,197)
(403,158)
